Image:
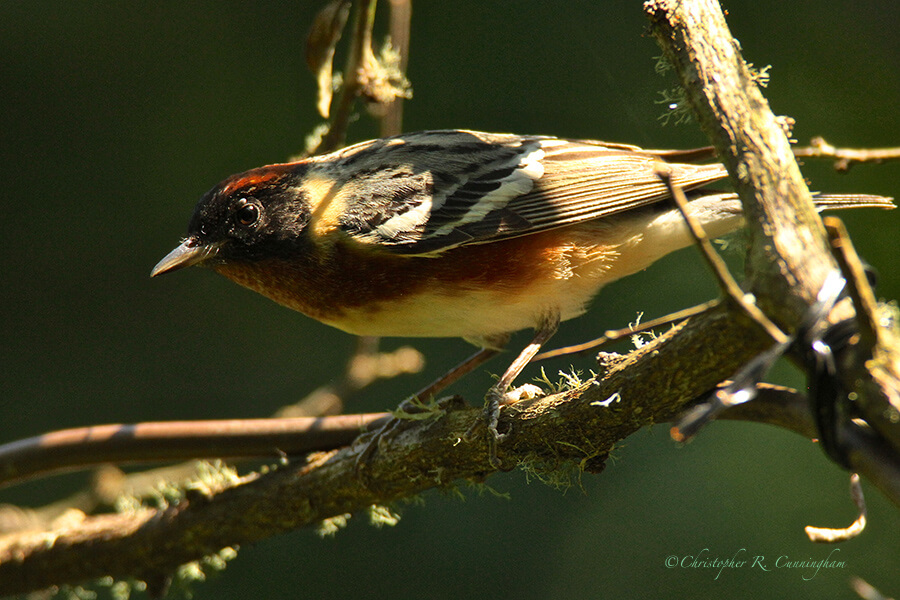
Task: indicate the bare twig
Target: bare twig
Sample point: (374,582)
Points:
(827,535)
(178,440)
(818,148)
(774,405)
(613,335)
(865,590)
(378,80)
(325,33)
(844,158)
(726,282)
(365,366)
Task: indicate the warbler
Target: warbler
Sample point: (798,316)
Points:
(454,233)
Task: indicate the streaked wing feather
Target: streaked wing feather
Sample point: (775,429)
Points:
(605,185)
(491,187)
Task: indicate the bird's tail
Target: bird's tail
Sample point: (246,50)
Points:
(837,201)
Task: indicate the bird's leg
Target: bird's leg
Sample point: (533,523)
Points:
(456,373)
(497,394)
(425,395)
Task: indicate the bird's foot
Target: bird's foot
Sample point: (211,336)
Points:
(491,415)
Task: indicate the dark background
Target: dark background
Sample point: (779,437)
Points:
(117,116)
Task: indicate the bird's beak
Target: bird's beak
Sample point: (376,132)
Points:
(190,252)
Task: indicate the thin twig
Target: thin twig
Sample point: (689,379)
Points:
(178,440)
(774,405)
(827,535)
(818,148)
(726,282)
(844,158)
(865,590)
(857,284)
(613,335)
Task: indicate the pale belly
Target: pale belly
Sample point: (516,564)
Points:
(472,314)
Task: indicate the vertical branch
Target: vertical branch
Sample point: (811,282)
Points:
(360,54)
(788,257)
(401,16)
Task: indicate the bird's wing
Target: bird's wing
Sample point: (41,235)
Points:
(428,192)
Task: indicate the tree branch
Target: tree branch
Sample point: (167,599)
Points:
(789,256)
(650,385)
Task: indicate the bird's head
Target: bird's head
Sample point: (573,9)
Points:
(252,215)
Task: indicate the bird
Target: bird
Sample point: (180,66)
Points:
(456,233)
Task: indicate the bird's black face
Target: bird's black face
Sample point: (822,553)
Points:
(253,215)
(232,221)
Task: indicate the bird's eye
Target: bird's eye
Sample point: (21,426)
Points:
(248,214)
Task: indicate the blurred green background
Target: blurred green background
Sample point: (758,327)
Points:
(117,116)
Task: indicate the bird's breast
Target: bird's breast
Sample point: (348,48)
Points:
(471,291)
